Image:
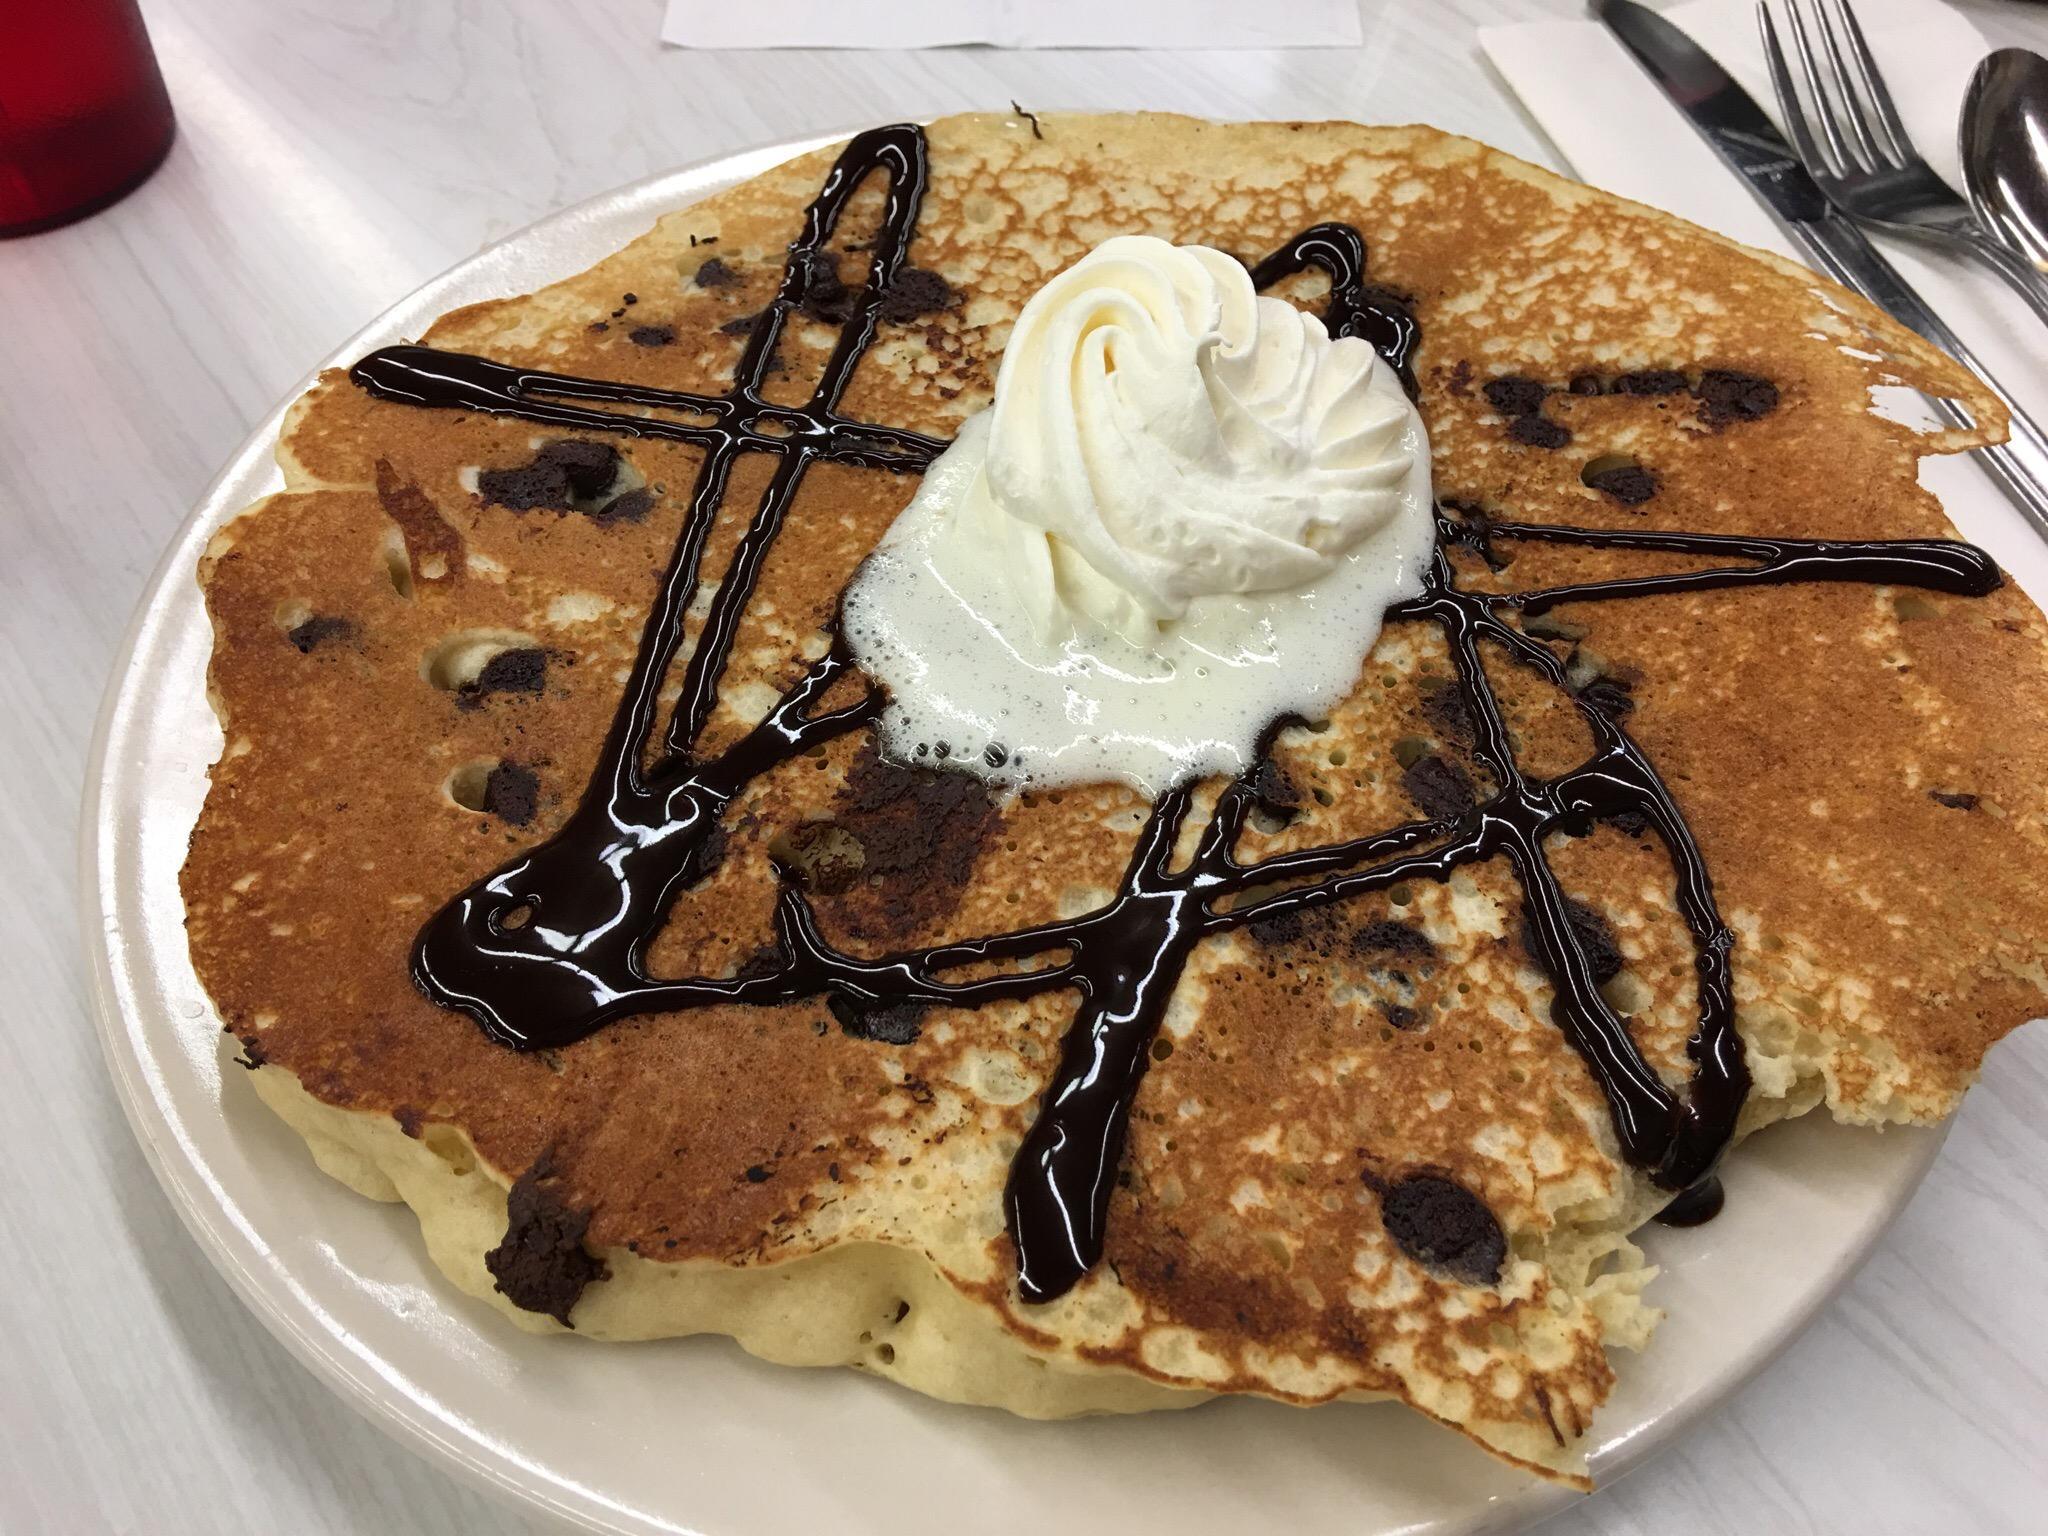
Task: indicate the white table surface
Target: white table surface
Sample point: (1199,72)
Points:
(332,155)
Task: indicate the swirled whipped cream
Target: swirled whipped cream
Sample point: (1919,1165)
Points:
(1184,517)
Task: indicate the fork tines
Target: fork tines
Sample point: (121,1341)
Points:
(1860,129)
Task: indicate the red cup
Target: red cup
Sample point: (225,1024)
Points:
(84,117)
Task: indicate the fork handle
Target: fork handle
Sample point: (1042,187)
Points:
(2020,466)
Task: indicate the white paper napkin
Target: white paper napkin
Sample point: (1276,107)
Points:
(1166,24)
(1618,131)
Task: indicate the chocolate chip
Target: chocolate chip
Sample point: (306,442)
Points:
(1275,792)
(1648,381)
(541,1264)
(626,507)
(253,1055)
(1440,1223)
(599,327)
(759,1175)
(1955,801)
(1440,787)
(914,292)
(919,833)
(1608,696)
(630,298)
(590,466)
(1288,926)
(825,297)
(1386,937)
(1400,1015)
(527,488)
(520,670)
(1595,938)
(1727,396)
(1538,432)
(741,325)
(1445,708)
(651,335)
(890,1023)
(1514,395)
(1586,384)
(1459,380)
(1629,823)
(318,630)
(716,274)
(1629,484)
(512,793)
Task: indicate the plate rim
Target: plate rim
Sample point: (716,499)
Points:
(139,1090)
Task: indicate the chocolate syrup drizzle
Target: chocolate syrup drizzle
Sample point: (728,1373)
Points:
(552,946)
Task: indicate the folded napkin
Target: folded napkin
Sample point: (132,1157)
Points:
(1617,131)
(1012,24)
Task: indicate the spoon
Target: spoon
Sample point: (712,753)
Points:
(2004,144)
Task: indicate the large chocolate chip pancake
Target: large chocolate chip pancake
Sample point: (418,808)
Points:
(1781,830)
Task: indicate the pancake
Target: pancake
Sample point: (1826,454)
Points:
(1396,1108)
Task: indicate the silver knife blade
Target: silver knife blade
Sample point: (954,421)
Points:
(1730,120)
(1726,115)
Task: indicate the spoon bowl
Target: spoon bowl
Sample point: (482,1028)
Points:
(2004,142)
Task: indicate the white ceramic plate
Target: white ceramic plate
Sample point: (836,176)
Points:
(693,1435)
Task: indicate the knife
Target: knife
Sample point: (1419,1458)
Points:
(1729,119)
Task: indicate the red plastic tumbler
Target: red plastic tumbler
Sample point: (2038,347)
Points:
(84,117)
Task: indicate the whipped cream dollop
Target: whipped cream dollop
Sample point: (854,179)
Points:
(1185,516)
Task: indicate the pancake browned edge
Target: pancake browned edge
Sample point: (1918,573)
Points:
(414,679)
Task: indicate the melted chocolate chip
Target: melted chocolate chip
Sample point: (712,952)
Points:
(1400,1015)
(759,1174)
(1609,696)
(589,467)
(1629,484)
(1585,384)
(319,630)
(626,507)
(528,488)
(1440,787)
(741,325)
(651,335)
(1441,1224)
(890,1023)
(1444,707)
(524,669)
(825,297)
(1648,381)
(1630,823)
(512,793)
(1277,794)
(1954,800)
(914,292)
(253,1054)
(1514,395)
(1459,380)
(541,1265)
(920,830)
(1603,955)
(716,274)
(1726,396)
(1539,432)
(1403,941)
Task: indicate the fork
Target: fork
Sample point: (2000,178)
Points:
(1864,160)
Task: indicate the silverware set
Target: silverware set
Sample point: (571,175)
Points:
(1850,164)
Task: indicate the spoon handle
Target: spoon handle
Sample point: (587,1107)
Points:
(2022,275)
